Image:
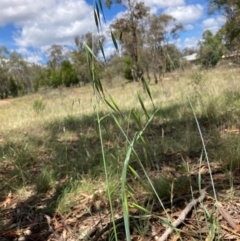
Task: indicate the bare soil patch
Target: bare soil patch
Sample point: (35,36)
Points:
(5,102)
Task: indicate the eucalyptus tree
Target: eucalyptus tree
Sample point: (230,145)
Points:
(143,36)
(159,31)
(56,54)
(79,57)
(210,49)
(93,41)
(4,66)
(14,74)
(60,70)
(230,9)
(19,72)
(129,30)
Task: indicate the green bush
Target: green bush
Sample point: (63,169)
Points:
(68,74)
(55,79)
(211,49)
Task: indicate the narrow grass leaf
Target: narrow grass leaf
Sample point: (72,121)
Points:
(99,86)
(105,170)
(205,150)
(124,191)
(137,177)
(125,168)
(96,81)
(89,50)
(143,106)
(120,36)
(96,13)
(101,8)
(114,41)
(135,205)
(124,176)
(147,89)
(126,214)
(199,174)
(130,192)
(102,50)
(137,118)
(115,104)
(110,105)
(134,172)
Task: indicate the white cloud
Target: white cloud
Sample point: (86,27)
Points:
(164,3)
(186,14)
(18,11)
(190,42)
(35,59)
(213,24)
(30,56)
(188,27)
(44,22)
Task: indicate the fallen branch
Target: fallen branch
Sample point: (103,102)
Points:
(226,215)
(183,215)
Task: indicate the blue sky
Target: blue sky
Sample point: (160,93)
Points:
(31,26)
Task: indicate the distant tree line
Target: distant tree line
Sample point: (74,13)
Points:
(64,67)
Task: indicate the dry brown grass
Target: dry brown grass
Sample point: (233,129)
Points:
(52,153)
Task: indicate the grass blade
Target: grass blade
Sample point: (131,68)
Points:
(97,17)
(205,150)
(143,106)
(110,105)
(101,8)
(137,118)
(102,50)
(89,50)
(114,41)
(146,87)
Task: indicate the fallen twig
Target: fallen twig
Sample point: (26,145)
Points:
(226,215)
(183,215)
(230,230)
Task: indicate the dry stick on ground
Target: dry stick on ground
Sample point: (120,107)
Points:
(95,233)
(183,215)
(226,215)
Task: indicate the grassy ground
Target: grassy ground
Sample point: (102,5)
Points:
(51,155)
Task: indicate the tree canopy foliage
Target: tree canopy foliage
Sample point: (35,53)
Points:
(145,38)
(210,49)
(231,29)
(17,77)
